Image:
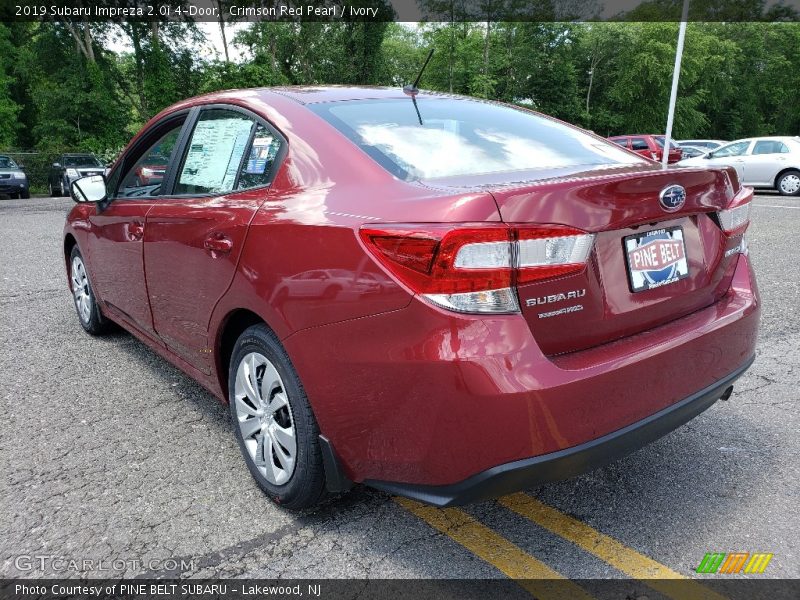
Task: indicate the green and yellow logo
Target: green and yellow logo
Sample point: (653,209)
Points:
(734,562)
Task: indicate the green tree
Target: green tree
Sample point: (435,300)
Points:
(9,109)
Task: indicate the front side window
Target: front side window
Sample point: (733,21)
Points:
(735,149)
(445,137)
(147,174)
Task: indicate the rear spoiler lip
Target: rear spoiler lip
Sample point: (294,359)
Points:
(608,173)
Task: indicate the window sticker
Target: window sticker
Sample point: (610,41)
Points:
(216,148)
(261,154)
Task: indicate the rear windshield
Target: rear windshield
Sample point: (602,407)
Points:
(450,137)
(81,161)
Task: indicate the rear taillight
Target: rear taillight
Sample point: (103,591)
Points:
(736,218)
(473,268)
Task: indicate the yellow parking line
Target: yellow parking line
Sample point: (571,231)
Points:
(635,565)
(537,578)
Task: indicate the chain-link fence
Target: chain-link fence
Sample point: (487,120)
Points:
(37,165)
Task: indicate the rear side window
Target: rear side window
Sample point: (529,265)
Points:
(621,142)
(259,167)
(639,144)
(770,147)
(228,151)
(444,137)
(214,154)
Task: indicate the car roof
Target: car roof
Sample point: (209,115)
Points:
(313,94)
(768,138)
(776,138)
(78,154)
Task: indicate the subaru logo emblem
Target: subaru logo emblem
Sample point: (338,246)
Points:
(672,198)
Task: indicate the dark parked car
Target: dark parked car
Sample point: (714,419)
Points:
(68,168)
(442,298)
(13,180)
(649,146)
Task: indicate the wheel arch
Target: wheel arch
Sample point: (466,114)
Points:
(229,330)
(783,172)
(69,243)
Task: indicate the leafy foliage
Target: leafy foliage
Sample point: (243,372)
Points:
(67,86)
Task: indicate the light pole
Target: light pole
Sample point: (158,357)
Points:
(676,73)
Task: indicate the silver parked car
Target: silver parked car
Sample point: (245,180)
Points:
(764,162)
(707,144)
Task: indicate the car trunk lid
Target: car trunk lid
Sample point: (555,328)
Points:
(682,255)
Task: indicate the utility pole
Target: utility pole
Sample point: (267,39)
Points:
(676,73)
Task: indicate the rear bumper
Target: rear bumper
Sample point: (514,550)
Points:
(520,474)
(430,400)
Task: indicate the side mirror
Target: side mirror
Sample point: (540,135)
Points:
(56,165)
(708,155)
(88,189)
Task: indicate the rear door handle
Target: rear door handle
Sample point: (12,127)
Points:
(136,231)
(218,244)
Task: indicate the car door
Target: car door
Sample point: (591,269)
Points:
(765,161)
(731,155)
(118,227)
(195,235)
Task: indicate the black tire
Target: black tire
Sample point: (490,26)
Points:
(331,292)
(305,486)
(25,195)
(779,184)
(53,192)
(92,321)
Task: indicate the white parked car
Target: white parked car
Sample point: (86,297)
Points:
(764,162)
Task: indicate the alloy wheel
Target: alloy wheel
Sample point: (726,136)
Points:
(80,290)
(265,418)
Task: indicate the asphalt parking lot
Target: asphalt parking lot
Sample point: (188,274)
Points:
(108,452)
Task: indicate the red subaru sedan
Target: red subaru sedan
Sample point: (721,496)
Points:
(439,297)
